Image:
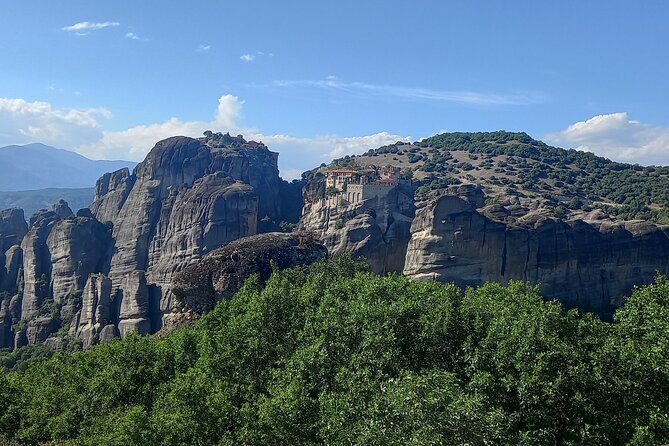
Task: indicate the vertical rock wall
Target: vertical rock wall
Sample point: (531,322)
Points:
(587,264)
(105,272)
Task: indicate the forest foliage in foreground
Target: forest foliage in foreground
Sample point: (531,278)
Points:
(331,354)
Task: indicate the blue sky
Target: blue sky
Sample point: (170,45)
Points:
(315,80)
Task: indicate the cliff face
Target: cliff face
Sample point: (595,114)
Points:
(188,197)
(590,264)
(115,268)
(107,271)
(13,228)
(377,228)
(44,269)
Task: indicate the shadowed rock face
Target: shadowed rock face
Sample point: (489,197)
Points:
(115,187)
(588,264)
(13,228)
(96,310)
(41,278)
(60,251)
(222,272)
(216,210)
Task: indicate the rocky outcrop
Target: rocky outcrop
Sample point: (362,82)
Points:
(215,211)
(36,263)
(40,328)
(222,272)
(78,246)
(41,279)
(12,228)
(187,198)
(115,187)
(96,310)
(107,270)
(60,251)
(183,225)
(590,264)
(12,271)
(377,228)
(134,297)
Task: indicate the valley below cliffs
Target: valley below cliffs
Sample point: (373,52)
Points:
(462,213)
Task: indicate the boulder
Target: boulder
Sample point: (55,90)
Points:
(222,272)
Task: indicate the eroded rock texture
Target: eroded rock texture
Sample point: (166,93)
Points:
(59,252)
(223,271)
(588,264)
(96,312)
(377,228)
(187,198)
(107,271)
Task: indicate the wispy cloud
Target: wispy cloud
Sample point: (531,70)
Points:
(132,36)
(411,93)
(249,57)
(84,28)
(201,48)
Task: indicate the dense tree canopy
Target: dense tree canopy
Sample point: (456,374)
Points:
(331,354)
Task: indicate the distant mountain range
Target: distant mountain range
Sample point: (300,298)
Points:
(37,166)
(32,200)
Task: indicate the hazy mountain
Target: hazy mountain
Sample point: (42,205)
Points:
(37,166)
(32,200)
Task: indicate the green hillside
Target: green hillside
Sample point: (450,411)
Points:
(532,176)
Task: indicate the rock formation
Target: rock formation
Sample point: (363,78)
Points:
(60,251)
(154,234)
(377,228)
(223,271)
(590,264)
(96,310)
(187,198)
(107,271)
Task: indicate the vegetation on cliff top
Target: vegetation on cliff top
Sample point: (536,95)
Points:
(330,354)
(533,174)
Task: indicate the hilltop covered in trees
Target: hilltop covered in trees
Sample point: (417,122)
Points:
(529,173)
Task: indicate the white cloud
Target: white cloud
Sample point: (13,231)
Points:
(80,130)
(83,28)
(132,36)
(297,154)
(203,48)
(22,121)
(247,57)
(411,93)
(134,143)
(617,137)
